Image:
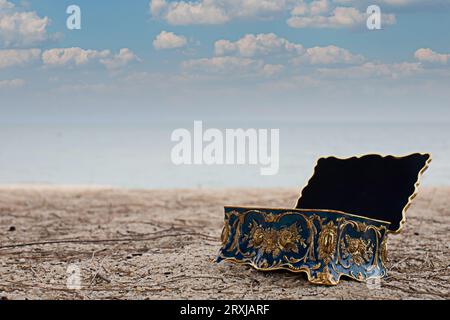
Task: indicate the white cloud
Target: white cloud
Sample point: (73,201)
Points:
(328,55)
(72,56)
(222,64)
(395,3)
(4,4)
(157,6)
(11,84)
(273,46)
(83,87)
(321,14)
(251,55)
(215,11)
(261,44)
(21,28)
(78,57)
(317,13)
(169,40)
(256,8)
(185,13)
(120,60)
(254,54)
(313,8)
(428,55)
(399,6)
(13,58)
(373,70)
(399,2)
(231,66)
(270,70)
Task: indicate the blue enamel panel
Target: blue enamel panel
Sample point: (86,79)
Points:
(324,244)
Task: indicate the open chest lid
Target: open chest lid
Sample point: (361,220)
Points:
(372,186)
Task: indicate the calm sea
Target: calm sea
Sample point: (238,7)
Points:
(138,156)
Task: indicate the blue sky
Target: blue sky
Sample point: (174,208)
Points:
(146,60)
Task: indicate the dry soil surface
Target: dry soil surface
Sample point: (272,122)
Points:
(156,244)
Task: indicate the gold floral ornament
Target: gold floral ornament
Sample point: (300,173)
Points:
(273,242)
(325,277)
(360,251)
(327,242)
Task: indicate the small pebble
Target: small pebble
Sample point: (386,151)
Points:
(12,229)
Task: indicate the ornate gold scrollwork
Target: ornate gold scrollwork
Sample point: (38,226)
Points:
(327,242)
(274,242)
(358,250)
(324,278)
(357,247)
(330,250)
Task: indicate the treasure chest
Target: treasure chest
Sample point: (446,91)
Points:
(339,226)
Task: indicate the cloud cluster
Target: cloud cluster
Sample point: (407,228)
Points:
(398,4)
(265,44)
(72,56)
(428,55)
(19,28)
(312,14)
(261,55)
(13,58)
(236,66)
(261,44)
(119,60)
(328,55)
(215,11)
(370,70)
(169,40)
(11,84)
(63,57)
(185,13)
(255,53)
(78,56)
(325,14)
(223,64)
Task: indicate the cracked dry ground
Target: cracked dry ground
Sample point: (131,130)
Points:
(160,245)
